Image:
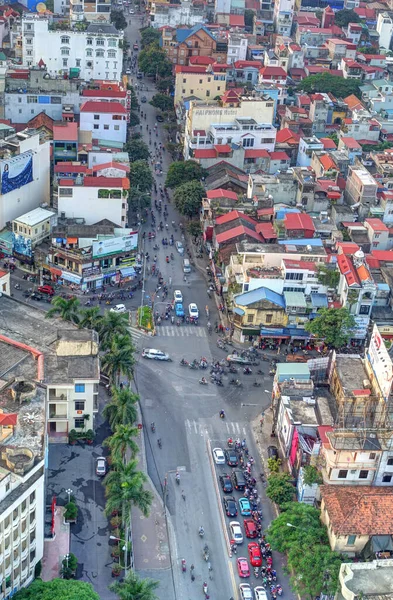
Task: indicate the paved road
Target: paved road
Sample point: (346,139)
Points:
(187,421)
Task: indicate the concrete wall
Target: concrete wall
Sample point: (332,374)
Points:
(85,203)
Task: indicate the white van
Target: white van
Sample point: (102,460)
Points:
(186,266)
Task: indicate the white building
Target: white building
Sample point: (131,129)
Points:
(92,54)
(94,199)
(306,148)
(25,175)
(95,10)
(283,16)
(21,107)
(385,30)
(106,120)
(237,48)
(185,13)
(35,225)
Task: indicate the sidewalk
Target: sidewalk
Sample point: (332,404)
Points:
(56,549)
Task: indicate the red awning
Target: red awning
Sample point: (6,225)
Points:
(223,148)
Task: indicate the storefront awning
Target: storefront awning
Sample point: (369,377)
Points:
(127,271)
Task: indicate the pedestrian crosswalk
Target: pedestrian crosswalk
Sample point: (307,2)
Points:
(169,331)
(136,334)
(230,428)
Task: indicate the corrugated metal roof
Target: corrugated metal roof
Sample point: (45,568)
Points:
(296,370)
(319,300)
(259,294)
(295,299)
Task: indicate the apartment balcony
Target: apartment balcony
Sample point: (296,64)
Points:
(24,553)
(8,571)
(73,254)
(59,396)
(346,464)
(32,544)
(58,411)
(16,561)
(32,524)
(23,533)
(7,551)
(16,540)
(1,558)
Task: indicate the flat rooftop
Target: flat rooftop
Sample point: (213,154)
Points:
(351,372)
(283,248)
(372,579)
(34,217)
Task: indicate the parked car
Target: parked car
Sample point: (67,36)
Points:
(232,457)
(119,308)
(46,289)
(226,483)
(230,507)
(245,507)
(250,528)
(242,567)
(143,99)
(272,452)
(101,466)
(159,118)
(260,593)
(155,354)
(139,75)
(236,532)
(180,248)
(245,591)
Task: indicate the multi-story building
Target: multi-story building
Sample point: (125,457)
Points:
(182,44)
(29,230)
(187,12)
(378,234)
(90,10)
(204,83)
(95,53)
(237,48)
(283,16)
(65,142)
(361,190)
(106,120)
(25,174)
(94,199)
(91,256)
(385,30)
(306,148)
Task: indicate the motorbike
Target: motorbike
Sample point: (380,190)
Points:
(159,443)
(256,572)
(279,590)
(193,365)
(183,565)
(177,478)
(232,369)
(184,363)
(17,286)
(203,381)
(256,384)
(206,552)
(153,427)
(247,371)
(235,382)
(201,532)
(234,548)
(205,588)
(222,414)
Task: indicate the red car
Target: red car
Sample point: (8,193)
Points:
(255,554)
(46,289)
(250,528)
(242,567)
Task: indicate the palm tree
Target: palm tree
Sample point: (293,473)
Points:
(124,488)
(135,588)
(121,440)
(90,317)
(66,309)
(122,408)
(110,325)
(119,359)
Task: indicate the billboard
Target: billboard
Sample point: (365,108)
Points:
(16,172)
(115,245)
(380,362)
(21,245)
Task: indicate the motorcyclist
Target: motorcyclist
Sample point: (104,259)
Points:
(201,531)
(222,414)
(204,380)
(177,476)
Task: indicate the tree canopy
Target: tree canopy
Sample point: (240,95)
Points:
(153,59)
(280,489)
(118,19)
(135,588)
(162,102)
(329,276)
(165,85)
(326,82)
(149,35)
(333,325)
(188,198)
(181,172)
(141,176)
(137,149)
(345,16)
(249,17)
(57,589)
(307,527)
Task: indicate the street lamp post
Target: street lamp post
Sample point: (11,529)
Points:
(113,537)
(294,526)
(69,492)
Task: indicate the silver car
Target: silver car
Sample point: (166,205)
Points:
(179,248)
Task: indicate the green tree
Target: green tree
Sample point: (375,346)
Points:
(122,409)
(183,171)
(110,325)
(334,325)
(162,102)
(307,528)
(118,360)
(68,310)
(121,440)
(149,36)
(334,137)
(367,50)
(279,488)
(188,198)
(90,317)
(165,85)
(327,275)
(249,18)
(57,589)
(134,119)
(137,201)
(345,16)
(141,176)
(315,568)
(152,59)
(194,228)
(137,149)
(326,82)
(311,475)
(124,488)
(135,588)
(118,19)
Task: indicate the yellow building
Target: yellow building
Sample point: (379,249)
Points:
(256,309)
(200,82)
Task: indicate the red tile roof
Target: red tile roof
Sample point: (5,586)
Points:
(298,221)
(223,148)
(232,215)
(265,211)
(353,102)
(2,273)
(279,156)
(67,132)
(383,255)
(347,269)
(327,162)
(273,72)
(221,193)
(287,136)
(104,93)
(266,230)
(103,107)
(347,247)
(67,167)
(242,64)
(351,143)
(359,510)
(376,224)
(190,69)
(254,153)
(104,182)
(201,60)
(113,165)
(8,419)
(205,153)
(328,143)
(236,20)
(304,265)
(225,236)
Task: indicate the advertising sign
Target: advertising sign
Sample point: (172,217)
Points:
(21,245)
(115,245)
(380,362)
(16,172)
